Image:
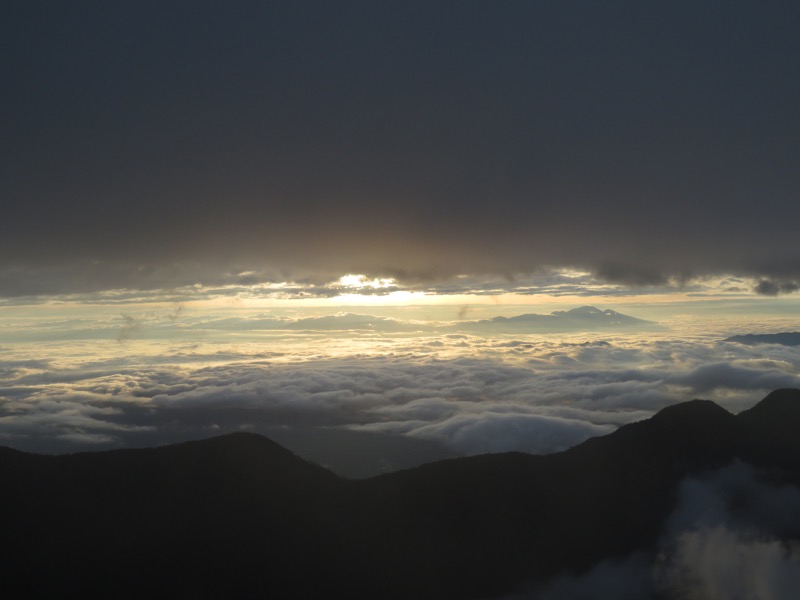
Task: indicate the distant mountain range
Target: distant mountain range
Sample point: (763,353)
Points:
(751,339)
(584,318)
(239,516)
(338,322)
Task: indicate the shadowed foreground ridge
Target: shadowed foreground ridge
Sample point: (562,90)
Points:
(240,516)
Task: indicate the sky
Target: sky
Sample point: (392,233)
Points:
(289,217)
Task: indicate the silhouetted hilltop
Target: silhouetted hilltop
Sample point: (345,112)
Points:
(772,428)
(239,516)
(696,431)
(778,408)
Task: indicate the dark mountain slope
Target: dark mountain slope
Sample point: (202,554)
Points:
(467,521)
(772,432)
(239,516)
(198,519)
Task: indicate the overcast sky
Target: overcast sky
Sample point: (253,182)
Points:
(159,144)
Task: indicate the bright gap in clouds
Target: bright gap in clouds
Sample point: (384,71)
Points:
(361,290)
(362,281)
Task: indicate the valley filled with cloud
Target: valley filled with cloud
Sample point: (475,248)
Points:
(343,385)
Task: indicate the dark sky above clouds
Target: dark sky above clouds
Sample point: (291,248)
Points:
(157,144)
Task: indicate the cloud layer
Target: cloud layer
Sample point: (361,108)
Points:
(155,147)
(459,393)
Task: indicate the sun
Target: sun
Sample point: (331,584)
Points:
(352,281)
(358,289)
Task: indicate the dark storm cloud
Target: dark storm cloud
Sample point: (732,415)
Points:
(769,287)
(152,145)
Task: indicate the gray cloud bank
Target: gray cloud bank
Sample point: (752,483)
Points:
(154,145)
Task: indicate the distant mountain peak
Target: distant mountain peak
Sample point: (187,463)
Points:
(589,310)
(582,318)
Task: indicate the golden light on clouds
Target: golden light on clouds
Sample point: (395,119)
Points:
(362,281)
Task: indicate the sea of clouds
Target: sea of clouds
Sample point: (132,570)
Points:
(447,393)
(386,395)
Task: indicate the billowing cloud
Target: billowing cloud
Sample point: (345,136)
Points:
(733,534)
(491,431)
(708,377)
(719,563)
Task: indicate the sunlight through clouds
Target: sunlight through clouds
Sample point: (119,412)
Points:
(362,281)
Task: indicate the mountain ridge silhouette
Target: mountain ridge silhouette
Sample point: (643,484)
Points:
(240,516)
(582,318)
